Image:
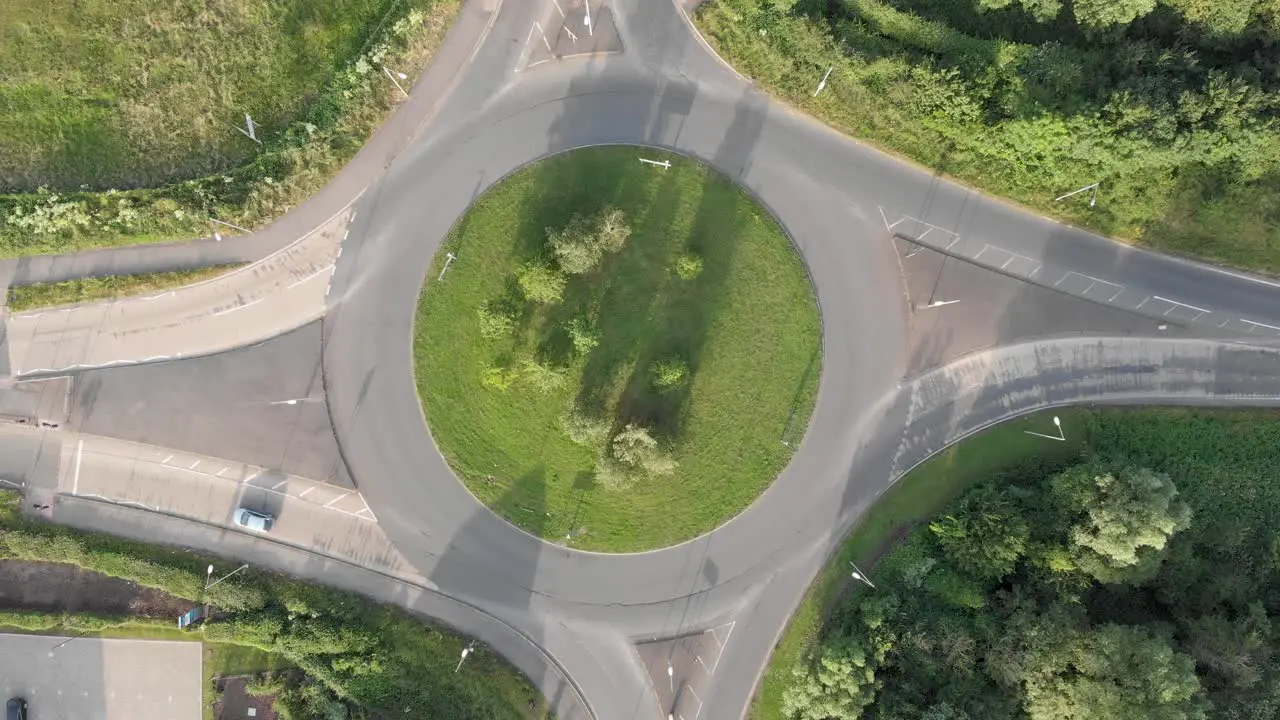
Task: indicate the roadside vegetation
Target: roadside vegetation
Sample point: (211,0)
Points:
(119,119)
(1173,106)
(23,298)
(358,658)
(1132,575)
(618,353)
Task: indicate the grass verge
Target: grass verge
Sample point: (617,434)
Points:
(108,287)
(316,88)
(747,328)
(914,499)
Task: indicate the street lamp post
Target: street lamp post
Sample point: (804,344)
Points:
(209,574)
(1060,437)
(1092,200)
(295,401)
(465,652)
(860,576)
(64,642)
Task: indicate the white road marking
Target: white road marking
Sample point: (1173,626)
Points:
(312,275)
(75,483)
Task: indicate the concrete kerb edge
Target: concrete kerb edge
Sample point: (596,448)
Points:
(750,193)
(386,575)
(693,29)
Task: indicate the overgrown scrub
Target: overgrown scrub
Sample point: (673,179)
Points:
(360,656)
(1174,108)
(1138,582)
(307,134)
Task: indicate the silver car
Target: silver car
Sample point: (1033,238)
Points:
(254,520)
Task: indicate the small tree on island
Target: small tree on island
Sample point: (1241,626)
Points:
(540,283)
(669,374)
(688,266)
(579,246)
(633,454)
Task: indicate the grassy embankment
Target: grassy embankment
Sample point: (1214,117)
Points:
(118,118)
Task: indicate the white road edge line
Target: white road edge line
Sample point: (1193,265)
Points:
(75,483)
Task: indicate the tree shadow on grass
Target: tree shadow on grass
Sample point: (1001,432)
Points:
(681,327)
(637,276)
(524,502)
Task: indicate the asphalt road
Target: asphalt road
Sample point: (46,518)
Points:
(1073,318)
(839,201)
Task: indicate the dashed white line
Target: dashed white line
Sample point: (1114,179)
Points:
(336,499)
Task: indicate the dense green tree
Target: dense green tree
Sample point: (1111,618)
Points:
(1232,653)
(840,682)
(1102,14)
(1114,672)
(1120,512)
(986,533)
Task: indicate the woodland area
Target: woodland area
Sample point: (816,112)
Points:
(1172,106)
(1141,581)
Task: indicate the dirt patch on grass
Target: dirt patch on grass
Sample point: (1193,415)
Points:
(235,702)
(56,587)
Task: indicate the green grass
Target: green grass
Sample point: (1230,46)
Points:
(137,93)
(108,287)
(914,499)
(748,327)
(126,111)
(1211,194)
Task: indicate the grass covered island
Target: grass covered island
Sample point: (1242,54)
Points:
(619,352)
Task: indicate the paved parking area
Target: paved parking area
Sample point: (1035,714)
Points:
(91,679)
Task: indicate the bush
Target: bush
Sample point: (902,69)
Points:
(580,245)
(688,266)
(667,375)
(635,448)
(583,426)
(499,377)
(583,334)
(497,320)
(574,246)
(541,376)
(540,283)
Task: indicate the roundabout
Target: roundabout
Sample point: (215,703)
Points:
(699,330)
(879,407)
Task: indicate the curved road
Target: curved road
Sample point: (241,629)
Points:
(841,202)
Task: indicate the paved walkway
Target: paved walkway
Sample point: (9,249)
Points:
(391,138)
(282,292)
